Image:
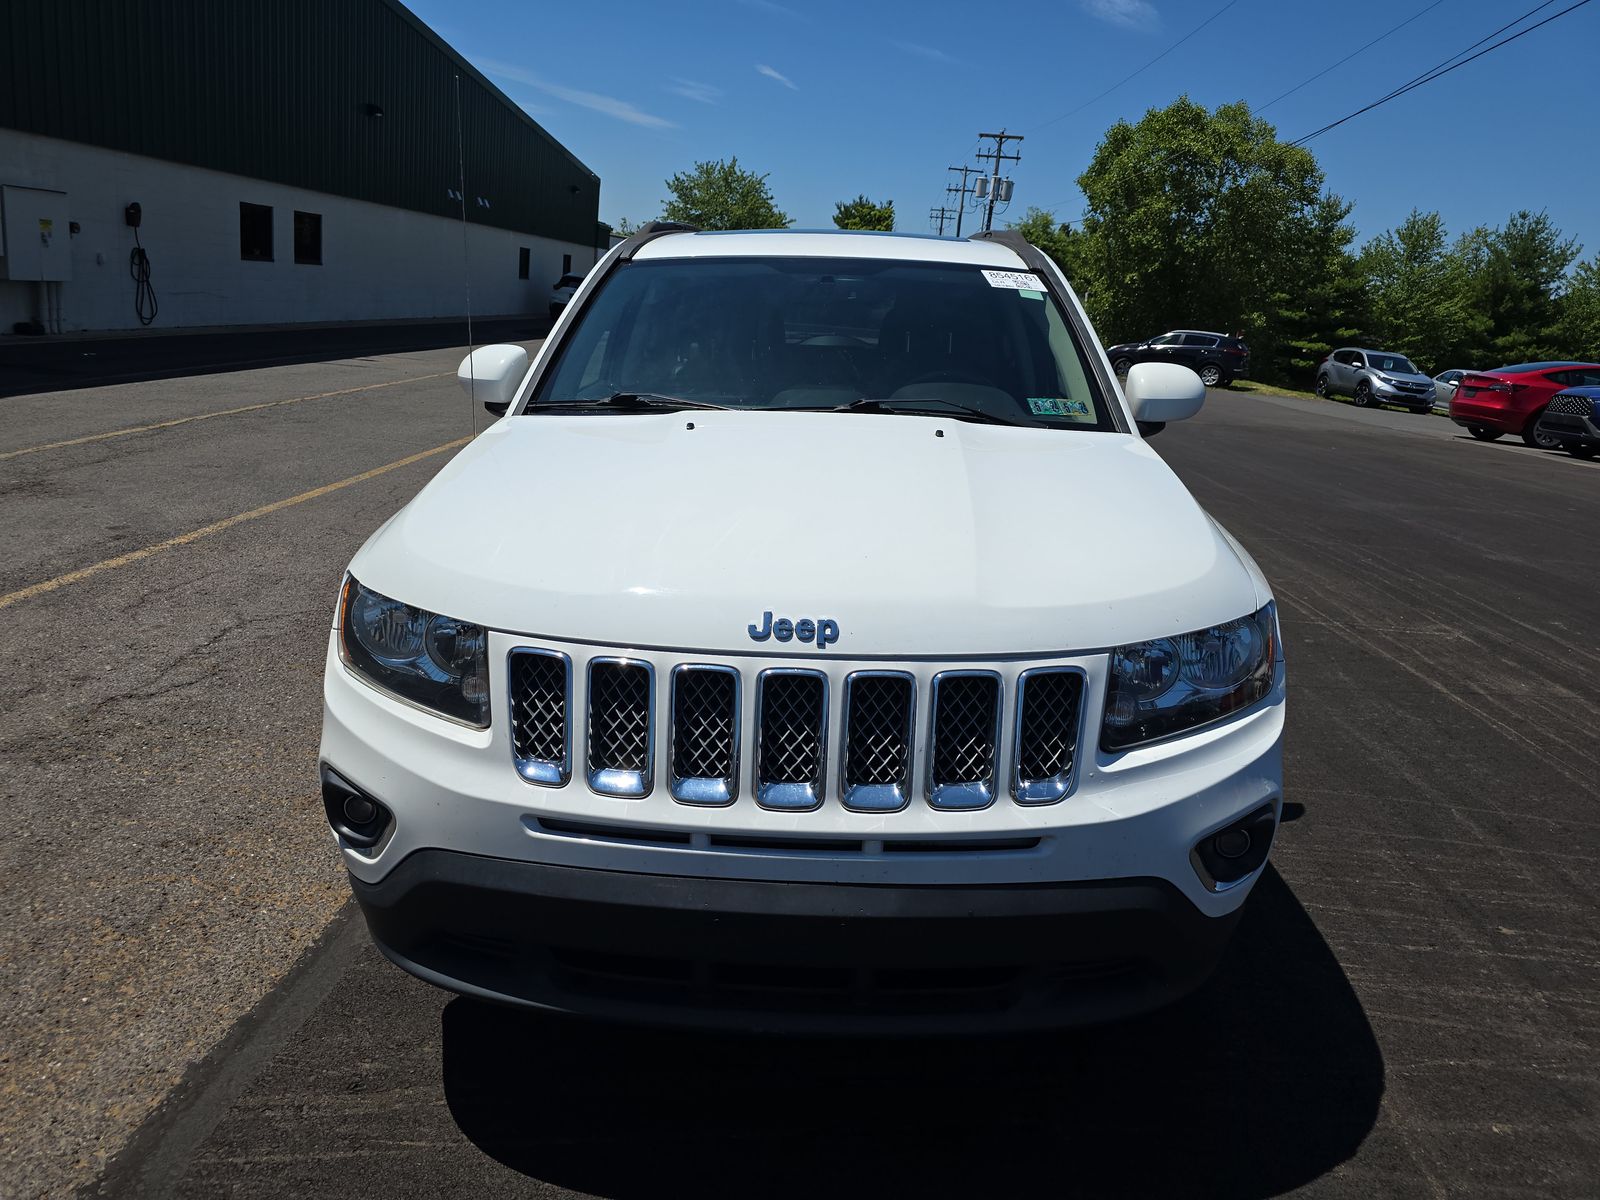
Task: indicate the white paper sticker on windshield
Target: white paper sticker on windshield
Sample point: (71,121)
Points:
(1019,281)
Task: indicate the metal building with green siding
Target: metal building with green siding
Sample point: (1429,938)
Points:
(292,160)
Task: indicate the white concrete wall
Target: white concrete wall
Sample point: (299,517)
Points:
(378,263)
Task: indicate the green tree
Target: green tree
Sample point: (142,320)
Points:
(1322,304)
(1516,272)
(862,213)
(1054,237)
(1420,293)
(1203,218)
(1578,328)
(722,195)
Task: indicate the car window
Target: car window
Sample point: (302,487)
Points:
(1198,339)
(1395,364)
(1167,339)
(814,333)
(569,281)
(1578,377)
(1348,357)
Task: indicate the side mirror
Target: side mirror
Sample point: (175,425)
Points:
(1162,392)
(493,374)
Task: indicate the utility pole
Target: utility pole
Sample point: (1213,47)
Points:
(992,186)
(961,193)
(940,215)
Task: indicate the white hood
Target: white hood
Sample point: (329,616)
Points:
(917,536)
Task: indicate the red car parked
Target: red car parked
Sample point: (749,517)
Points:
(1511,399)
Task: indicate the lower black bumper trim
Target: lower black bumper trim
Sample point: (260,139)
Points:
(791,957)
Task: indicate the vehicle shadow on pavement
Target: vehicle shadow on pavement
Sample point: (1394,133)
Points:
(1265,1079)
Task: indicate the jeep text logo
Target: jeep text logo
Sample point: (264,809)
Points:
(824,632)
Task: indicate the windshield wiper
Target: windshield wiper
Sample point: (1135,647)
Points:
(902,406)
(635,401)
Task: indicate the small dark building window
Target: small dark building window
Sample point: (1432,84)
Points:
(255,232)
(308,238)
(522,263)
(566,264)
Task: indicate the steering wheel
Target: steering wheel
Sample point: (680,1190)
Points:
(946,377)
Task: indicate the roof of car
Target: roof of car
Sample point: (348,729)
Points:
(1370,350)
(1519,368)
(830,243)
(1204,332)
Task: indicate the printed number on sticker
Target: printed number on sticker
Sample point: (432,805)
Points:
(1021,281)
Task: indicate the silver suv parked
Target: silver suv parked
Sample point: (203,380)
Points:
(1375,377)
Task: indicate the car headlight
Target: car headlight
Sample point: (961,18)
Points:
(1171,684)
(435,662)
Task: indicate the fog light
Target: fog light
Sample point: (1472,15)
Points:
(1226,856)
(1235,843)
(358,819)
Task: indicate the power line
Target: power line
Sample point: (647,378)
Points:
(1395,29)
(1134,74)
(1442,69)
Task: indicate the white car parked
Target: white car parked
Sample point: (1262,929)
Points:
(816,644)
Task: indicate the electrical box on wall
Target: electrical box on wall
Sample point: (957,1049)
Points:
(35,242)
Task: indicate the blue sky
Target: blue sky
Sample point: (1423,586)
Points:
(833,98)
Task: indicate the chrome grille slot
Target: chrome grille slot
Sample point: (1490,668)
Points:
(791,739)
(1048,705)
(541,707)
(621,726)
(705,734)
(1572,406)
(965,738)
(879,716)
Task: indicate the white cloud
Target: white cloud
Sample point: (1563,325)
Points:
(922,51)
(1139,15)
(609,105)
(781,78)
(690,90)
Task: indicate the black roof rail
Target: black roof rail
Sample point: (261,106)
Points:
(1013,240)
(650,232)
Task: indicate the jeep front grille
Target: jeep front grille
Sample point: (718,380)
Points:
(541,724)
(895,734)
(705,734)
(621,726)
(966,731)
(1048,704)
(879,719)
(791,737)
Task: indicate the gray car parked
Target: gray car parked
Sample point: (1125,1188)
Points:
(1375,377)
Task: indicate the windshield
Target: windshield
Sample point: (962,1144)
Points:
(1395,364)
(815,333)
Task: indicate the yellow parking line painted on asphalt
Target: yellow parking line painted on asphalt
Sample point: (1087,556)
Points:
(194,535)
(227,412)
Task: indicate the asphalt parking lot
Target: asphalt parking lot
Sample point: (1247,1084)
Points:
(1411,1007)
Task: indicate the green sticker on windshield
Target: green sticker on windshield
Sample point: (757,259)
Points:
(1061,406)
(1027,295)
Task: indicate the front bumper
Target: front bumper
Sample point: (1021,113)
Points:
(793,957)
(1570,427)
(1096,899)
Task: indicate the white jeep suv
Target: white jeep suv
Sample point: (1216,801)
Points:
(816,644)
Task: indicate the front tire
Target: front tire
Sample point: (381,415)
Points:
(1364,395)
(1532,436)
(1484,434)
(1122,366)
(1210,375)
